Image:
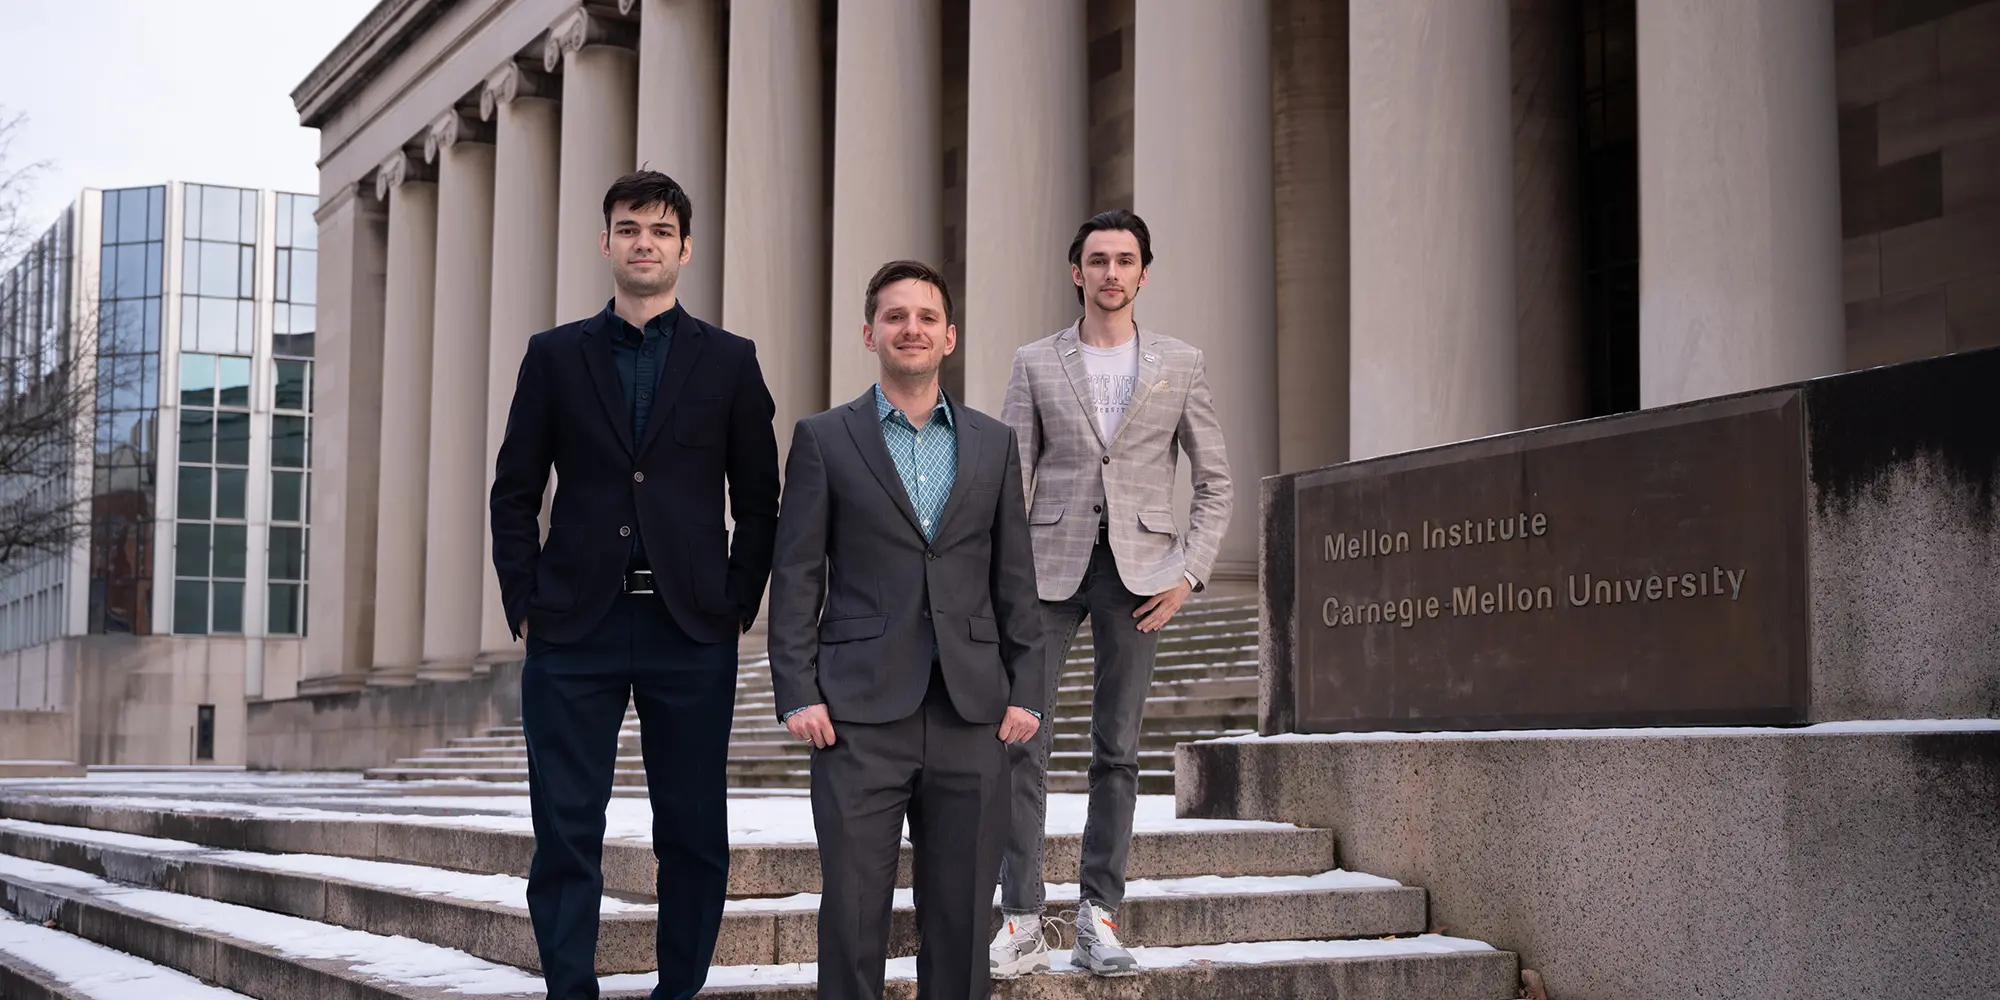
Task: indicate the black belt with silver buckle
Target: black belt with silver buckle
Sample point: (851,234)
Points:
(638,581)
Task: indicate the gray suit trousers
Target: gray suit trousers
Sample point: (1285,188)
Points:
(1117,709)
(950,777)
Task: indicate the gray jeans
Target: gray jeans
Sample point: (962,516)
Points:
(1117,705)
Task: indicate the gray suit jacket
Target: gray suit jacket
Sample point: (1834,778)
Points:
(1070,469)
(859,600)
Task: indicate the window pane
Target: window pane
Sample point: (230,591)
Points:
(288,442)
(291,388)
(197,380)
(287,489)
(193,501)
(218,270)
(247,270)
(233,381)
(191,607)
(131,271)
(197,431)
(190,267)
(246,322)
(284,221)
(132,217)
(229,608)
(230,559)
(110,228)
(305,276)
(230,488)
(156,213)
(218,325)
(232,438)
(248,233)
(302,319)
(284,609)
(191,550)
(305,231)
(107,274)
(281,275)
(218,214)
(288,553)
(152,332)
(191,211)
(153,268)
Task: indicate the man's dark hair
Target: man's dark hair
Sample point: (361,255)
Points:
(904,270)
(1116,219)
(643,189)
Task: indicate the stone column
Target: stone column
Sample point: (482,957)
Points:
(1432,220)
(1201,177)
(1309,175)
(888,184)
(1739,197)
(600,115)
(346,442)
(774,274)
(1027,181)
(402,495)
(462,150)
(527,144)
(681,114)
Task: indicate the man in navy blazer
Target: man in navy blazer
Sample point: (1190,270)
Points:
(639,592)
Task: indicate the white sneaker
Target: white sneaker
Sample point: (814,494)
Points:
(1018,949)
(1097,947)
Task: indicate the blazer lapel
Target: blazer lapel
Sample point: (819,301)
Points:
(683,354)
(867,434)
(968,427)
(604,373)
(1070,352)
(1149,375)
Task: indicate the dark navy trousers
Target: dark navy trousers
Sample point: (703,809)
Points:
(573,698)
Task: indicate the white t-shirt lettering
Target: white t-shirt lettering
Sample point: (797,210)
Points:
(1114,377)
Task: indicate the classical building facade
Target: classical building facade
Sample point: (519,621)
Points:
(1389,223)
(192,307)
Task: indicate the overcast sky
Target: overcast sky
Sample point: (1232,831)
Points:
(127,92)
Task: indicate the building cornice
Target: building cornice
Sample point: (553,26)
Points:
(387,29)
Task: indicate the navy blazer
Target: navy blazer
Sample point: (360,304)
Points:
(710,422)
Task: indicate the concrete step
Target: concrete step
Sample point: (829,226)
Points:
(267,954)
(42,963)
(487,916)
(1225,687)
(498,772)
(775,869)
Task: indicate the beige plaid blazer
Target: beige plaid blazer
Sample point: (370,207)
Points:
(1068,470)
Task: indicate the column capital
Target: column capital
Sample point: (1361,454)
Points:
(581,27)
(397,169)
(451,128)
(512,81)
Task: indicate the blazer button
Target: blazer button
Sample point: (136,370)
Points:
(927,612)
(638,477)
(624,531)
(930,553)
(1107,460)
(1097,508)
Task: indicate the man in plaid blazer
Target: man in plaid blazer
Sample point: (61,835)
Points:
(1102,411)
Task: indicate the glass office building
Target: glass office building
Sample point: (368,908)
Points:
(192,306)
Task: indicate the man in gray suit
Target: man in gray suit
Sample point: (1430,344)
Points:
(1103,410)
(906,645)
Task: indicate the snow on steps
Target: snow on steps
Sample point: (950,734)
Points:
(266,954)
(41,963)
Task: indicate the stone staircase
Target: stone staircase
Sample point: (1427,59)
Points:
(1204,685)
(118,896)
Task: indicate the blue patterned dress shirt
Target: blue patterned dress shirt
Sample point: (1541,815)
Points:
(926,460)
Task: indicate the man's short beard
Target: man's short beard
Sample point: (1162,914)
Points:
(1123,302)
(637,285)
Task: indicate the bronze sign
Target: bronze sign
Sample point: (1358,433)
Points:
(1647,571)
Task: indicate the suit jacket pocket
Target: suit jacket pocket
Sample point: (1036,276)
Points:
(1161,521)
(556,571)
(984,629)
(1045,512)
(854,628)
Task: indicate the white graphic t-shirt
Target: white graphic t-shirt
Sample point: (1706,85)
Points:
(1114,375)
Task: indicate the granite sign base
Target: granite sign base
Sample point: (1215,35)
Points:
(1820,551)
(1782,865)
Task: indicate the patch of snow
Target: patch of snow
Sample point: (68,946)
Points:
(504,890)
(1851,727)
(1200,885)
(88,969)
